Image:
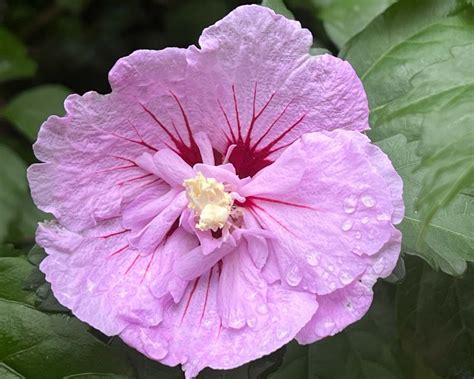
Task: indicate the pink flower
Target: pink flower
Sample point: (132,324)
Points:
(221,201)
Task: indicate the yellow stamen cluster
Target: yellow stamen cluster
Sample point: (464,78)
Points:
(210,202)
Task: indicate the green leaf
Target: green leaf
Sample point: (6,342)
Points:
(319,51)
(295,363)
(18,215)
(279,7)
(436,319)
(36,345)
(343,19)
(447,241)
(14,60)
(13,270)
(390,53)
(398,273)
(367,349)
(30,109)
(447,138)
(416,65)
(12,190)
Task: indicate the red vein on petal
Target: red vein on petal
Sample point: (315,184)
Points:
(133,264)
(281,136)
(133,179)
(123,158)
(237,116)
(271,126)
(269,215)
(114,168)
(115,234)
(148,266)
(227,121)
(119,250)
(186,120)
(256,116)
(141,138)
(207,296)
(196,281)
(160,124)
(142,143)
(153,181)
(270,200)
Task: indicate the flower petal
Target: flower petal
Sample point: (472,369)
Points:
(172,168)
(150,236)
(259,85)
(98,277)
(330,220)
(195,335)
(347,305)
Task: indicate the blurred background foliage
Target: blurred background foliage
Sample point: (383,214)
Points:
(416,60)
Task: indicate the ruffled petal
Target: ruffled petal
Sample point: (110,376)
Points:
(347,305)
(99,277)
(332,219)
(195,334)
(259,86)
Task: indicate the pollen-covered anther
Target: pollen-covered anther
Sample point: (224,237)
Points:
(210,202)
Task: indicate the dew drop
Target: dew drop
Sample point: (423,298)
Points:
(329,325)
(368,201)
(347,225)
(331,268)
(383,217)
(364,220)
(293,276)
(325,275)
(262,309)
(332,285)
(358,235)
(350,204)
(345,278)
(237,322)
(251,295)
(379,266)
(312,259)
(282,334)
(252,322)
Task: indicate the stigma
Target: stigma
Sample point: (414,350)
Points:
(211,204)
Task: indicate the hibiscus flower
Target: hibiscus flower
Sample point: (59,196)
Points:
(221,200)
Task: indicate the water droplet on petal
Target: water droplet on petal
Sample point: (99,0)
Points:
(293,276)
(329,325)
(262,309)
(350,204)
(383,217)
(252,321)
(379,265)
(282,334)
(345,278)
(312,259)
(368,201)
(331,268)
(251,295)
(332,285)
(237,322)
(325,275)
(364,220)
(358,235)
(347,225)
